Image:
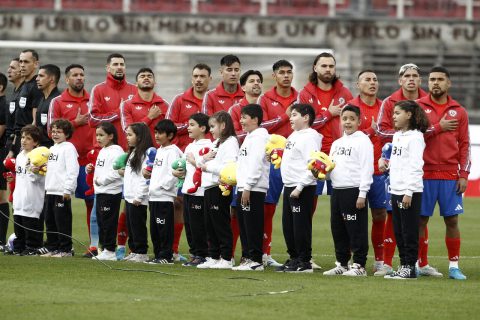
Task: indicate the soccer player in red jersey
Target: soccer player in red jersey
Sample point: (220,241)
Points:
(447,165)
(145,106)
(369,105)
(189,102)
(228,92)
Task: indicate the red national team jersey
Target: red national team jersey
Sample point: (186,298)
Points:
(218,99)
(275,120)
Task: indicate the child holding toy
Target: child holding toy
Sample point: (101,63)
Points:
(299,191)
(28,196)
(252,183)
(194,213)
(108,189)
(217,206)
(351,179)
(135,191)
(60,185)
(162,192)
(406,183)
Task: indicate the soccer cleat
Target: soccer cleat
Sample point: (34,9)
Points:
(356,270)
(268,261)
(314,265)
(337,271)
(120,252)
(207,263)
(384,271)
(62,254)
(129,257)
(106,255)
(160,261)
(91,252)
(428,271)
(179,258)
(139,257)
(456,274)
(222,264)
(377,265)
(403,273)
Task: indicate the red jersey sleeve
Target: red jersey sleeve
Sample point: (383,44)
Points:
(464,146)
(173,113)
(98,109)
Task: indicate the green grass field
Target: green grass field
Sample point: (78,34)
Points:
(77,288)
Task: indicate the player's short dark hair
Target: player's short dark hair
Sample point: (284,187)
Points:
(244,77)
(365,71)
(145,69)
(202,120)
(167,126)
(73,66)
(33,52)
(352,108)
(313,77)
(203,66)
(229,59)
(114,55)
(51,70)
(32,131)
(440,69)
(3,82)
(16,59)
(253,110)
(281,63)
(305,109)
(63,125)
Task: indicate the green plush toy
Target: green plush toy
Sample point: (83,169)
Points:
(120,162)
(180,164)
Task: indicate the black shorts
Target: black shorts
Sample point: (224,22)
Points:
(3,182)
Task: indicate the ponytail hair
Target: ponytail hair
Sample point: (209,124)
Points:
(109,129)
(419,120)
(144,141)
(224,117)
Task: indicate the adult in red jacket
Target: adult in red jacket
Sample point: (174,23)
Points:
(447,164)
(145,106)
(72,105)
(106,97)
(189,102)
(228,92)
(369,104)
(275,104)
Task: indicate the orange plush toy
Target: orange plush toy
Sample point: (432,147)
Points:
(92,159)
(9,164)
(197,175)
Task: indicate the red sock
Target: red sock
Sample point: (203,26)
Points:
(89,205)
(453,248)
(389,242)
(423,249)
(315,201)
(378,227)
(235,232)
(122,231)
(177,234)
(269,212)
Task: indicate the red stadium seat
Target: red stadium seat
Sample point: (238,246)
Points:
(228,6)
(180,6)
(27,4)
(93,5)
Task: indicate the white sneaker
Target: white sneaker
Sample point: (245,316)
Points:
(314,265)
(428,271)
(268,261)
(106,256)
(222,264)
(356,270)
(129,257)
(233,261)
(255,266)
(62,254)
(377,265)
(139,257)
(208,263)
(244,265)
(385,270)
(337,271)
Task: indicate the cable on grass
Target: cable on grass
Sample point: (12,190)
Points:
(268,293)
(87,247)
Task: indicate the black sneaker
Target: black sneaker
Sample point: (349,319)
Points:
(42,250)
(283,266)
(304,267)
(294,266)
(194,262)
(287,266)
(29,252)
(93,252)
(403,273)
(3,248)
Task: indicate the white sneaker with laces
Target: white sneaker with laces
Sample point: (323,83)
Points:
(255,266)
(377,265)
(208,263)
(428,271)
(268,261)
(129,257)
(106,256)
(139,257)
(314,265)
(62,254)
(337,271)
(244,265)
(222,264)
(385,270)
(356,270)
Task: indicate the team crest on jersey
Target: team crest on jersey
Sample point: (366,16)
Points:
(452,113)
(428,110)
(341,101)
(138,107)
(107,98)
(188,106)
(23,102)
(221,101)
(130,96)
(69,105)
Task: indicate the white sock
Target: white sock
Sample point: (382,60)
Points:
(453,264)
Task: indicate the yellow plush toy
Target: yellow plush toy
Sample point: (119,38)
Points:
(274,148)
(38,157)
(321,163)
(228,178)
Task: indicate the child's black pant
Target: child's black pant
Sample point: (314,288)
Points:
(349,226)
(405,226)
(26,230)
(250,222)
(217,223)
(194,209)
(58,220)
(108,207)
(137,227)
(161,228)
(297,223)
(4,219)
